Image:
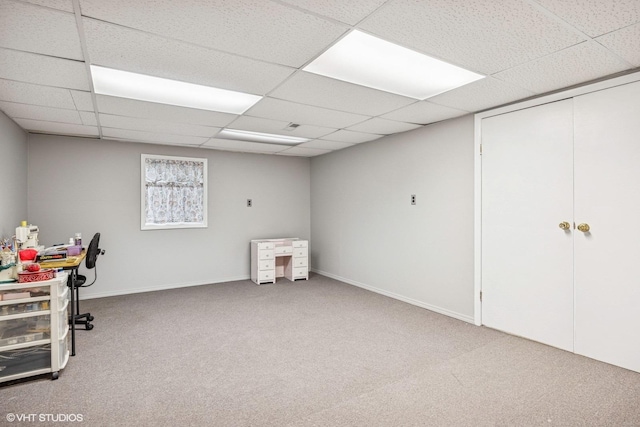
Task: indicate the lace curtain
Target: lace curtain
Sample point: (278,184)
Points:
(174,191)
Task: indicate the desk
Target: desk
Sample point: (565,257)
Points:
(70,264)
(273,258)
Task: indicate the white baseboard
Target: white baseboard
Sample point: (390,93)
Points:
(455,315)
(159,288)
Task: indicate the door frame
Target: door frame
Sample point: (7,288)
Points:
(545,99)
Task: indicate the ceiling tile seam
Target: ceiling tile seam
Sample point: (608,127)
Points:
(87,62)
(44,85)
(557,18)
(379,116)
(163,132)
(369,116)
(157,120)
(316,106)
(571,27)
(617,29)
(312,13)
(41,54)
(494,75)
(52,121)
(43,106)
(377,10)
(333,129)
(66,134)
(21,117)
(629,65)
(614,53)
(41,6)
(186,42)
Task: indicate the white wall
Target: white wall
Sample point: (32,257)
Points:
(13,164)
(85,185)
(364,230)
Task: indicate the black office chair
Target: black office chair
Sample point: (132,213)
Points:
(81,281)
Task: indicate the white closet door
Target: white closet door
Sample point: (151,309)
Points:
(607,198)
(527,190)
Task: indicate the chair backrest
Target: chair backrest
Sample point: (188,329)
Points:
(93,251)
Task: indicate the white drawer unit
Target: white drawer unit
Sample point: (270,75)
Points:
(263,264)
(274,258)
(34,328)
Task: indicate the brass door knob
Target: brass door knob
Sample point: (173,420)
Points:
(584,227)
(564,225)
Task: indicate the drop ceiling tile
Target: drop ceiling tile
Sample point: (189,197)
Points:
(150,110)
(383,126)
(350,12)
(37,112)
(88,118)
(44,70)
(325,145)
(65,5)
(27,93)
(287,111)
(351,137)
(481,95)
(256,124)
(624,42)
(152,137)
(36,29)
(245,146)
(312,89)
(253,28)
(303,152)
(149,125)
(82,100)
(424,112)
(130,50)
(577,64)
(595,17)
(484,36)
(57,128)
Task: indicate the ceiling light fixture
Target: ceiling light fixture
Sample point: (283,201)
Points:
(370,61)
(124,84)
(245,135)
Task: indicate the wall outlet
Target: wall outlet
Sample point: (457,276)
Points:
(249,203)
(413,199)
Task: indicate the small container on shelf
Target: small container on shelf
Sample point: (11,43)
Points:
(35,276)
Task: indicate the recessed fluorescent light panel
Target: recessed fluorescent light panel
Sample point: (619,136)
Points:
(369,61)
(124,84)
(245,135)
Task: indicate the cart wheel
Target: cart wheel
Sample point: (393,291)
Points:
(90,318)
(88,326)
(54,375)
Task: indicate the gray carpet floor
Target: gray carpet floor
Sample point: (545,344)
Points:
(316,353)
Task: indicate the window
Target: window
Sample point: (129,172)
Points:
(174,192)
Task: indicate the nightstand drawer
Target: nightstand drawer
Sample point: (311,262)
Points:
(266,264)
(300,273)
(282,250)
(300,262)
(266,275)
(300,252)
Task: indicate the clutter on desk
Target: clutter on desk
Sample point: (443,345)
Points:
(20,255)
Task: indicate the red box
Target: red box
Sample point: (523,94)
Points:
(36,276)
